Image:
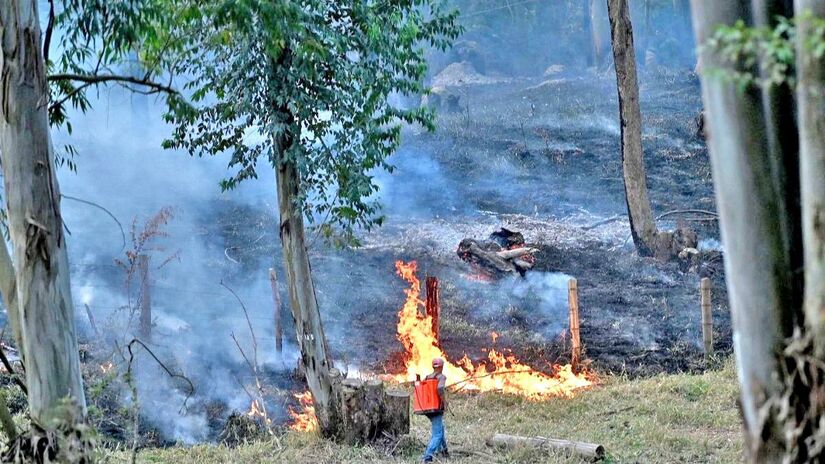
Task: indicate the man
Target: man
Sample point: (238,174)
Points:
(438,442)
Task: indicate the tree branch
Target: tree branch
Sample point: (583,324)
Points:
(47,42)
(95,79)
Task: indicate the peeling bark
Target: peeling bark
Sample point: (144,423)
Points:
(309,328)
(48,334)
(759,279)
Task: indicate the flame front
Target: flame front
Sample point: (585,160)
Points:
(502,372)
(257,410)
(304,421)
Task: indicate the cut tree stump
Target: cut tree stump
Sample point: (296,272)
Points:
(589,451)
(368,412)
(396,415)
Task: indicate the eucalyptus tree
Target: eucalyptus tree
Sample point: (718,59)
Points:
(95,36)
(769,176)
(642,224)
(303,87)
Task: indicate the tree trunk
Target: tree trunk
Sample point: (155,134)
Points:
(783,145)
(598,33)
(35,224)
(642,225)
(587,29)
(303,303)
(758,277)
(811,98)
(8,288)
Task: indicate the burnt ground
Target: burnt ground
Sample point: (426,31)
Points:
(542,157)
(533,155)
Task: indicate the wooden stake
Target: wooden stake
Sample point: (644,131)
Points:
(92,320)
(145,300)
(707,316)
(432,305)
(276,298)
(573,303)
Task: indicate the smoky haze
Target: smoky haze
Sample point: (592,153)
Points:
(432,201)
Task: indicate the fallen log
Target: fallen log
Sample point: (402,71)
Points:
(515,252)
(490,258)
(586,450)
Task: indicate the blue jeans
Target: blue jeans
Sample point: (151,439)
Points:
(438,442)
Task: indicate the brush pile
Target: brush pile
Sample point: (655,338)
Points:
(504,252)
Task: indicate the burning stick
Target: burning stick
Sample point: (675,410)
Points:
(432,306)
(573,302)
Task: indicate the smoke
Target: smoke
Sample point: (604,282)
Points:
(231,237)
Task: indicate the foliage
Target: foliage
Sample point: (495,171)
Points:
(100,43)
(313,76)
(772,49)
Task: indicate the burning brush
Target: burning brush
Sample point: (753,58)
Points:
(305,420)
(501,372)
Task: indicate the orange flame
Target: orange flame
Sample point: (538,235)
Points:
(502,372)
(257,410)
(304,421)
(107,366)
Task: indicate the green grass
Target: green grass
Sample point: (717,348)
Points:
(667,418)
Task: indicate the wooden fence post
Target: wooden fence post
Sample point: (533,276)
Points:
(276,298)
(573,303)
(432,305)
(707,316)
(145,300)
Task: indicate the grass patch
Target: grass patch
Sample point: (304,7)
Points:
(666,418)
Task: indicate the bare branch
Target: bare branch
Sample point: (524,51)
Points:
(47,42)
(90,203)
(162,365)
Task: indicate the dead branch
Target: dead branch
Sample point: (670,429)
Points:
(17,379)
(91,203)
(604,222)
(687,211)
(515,252)
(163,366)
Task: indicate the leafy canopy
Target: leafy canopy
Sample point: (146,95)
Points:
(773,48)
(317,75)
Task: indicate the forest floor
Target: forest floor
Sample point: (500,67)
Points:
(664,418)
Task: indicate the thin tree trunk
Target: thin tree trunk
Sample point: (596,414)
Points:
(309,328)
(811,97)
(642,225)
(35,224)
(783,145)
(587,29)
(597,14)
(752,231)
(8,288)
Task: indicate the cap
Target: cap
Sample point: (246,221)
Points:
(438,362)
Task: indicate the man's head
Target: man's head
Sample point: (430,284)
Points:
(438,364)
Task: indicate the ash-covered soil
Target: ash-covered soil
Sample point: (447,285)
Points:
(540,157)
